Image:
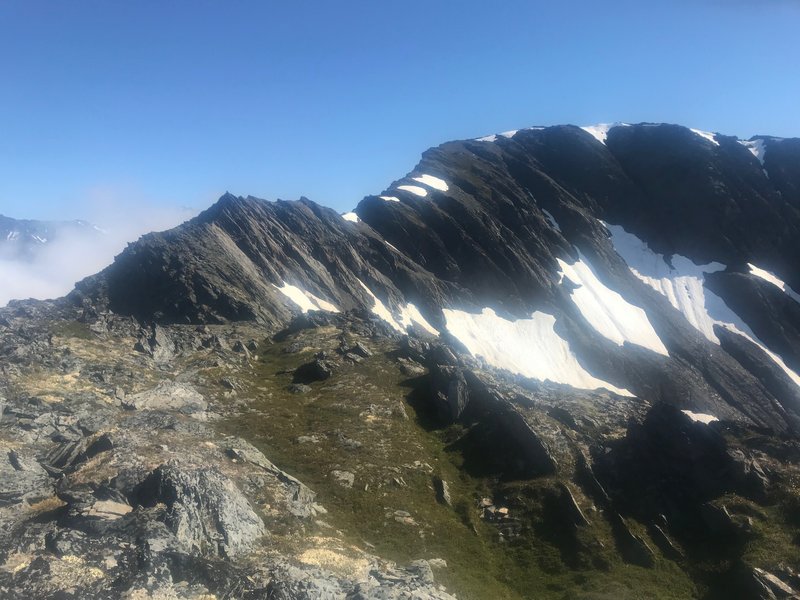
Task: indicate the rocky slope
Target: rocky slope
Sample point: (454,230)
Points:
(556,362)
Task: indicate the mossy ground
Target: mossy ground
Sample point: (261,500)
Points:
(356,421)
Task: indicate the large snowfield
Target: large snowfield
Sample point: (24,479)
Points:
(529,347)
(682,284)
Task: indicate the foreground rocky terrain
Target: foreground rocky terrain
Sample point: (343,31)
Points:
(553,363)
(120,481)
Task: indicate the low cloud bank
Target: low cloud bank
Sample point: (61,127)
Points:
(54,268)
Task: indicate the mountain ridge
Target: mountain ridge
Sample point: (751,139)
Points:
(549,363)
(488,224)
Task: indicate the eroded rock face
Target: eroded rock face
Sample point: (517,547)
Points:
(204,509)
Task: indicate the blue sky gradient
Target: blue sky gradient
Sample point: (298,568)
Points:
(111,107)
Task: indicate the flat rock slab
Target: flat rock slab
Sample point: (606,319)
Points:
(169,396)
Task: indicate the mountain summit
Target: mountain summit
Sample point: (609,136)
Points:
(554,362)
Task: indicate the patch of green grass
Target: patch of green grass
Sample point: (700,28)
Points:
(72,329)
(393,469)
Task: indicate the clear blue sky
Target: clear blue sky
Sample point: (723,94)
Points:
(174,102)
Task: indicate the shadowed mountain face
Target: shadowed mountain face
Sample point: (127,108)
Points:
(491,223)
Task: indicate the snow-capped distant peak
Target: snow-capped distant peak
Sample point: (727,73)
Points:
(600,131)
(431,181)
(351,216)
(757,147)
(706,135)
(414,189)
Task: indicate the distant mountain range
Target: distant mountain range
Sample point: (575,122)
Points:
(23,238)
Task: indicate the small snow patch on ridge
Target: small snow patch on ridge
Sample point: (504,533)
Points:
(410,315)
(305,300)
(600,131)
(703,418)
(767,276)
(379,309)
(757,147)
(706,135)
(505,134)
(351,216)
(414,189)
(551,220)
(530,347)
(389,198)
(434,182)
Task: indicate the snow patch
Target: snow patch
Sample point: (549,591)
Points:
(379,309)
(600,131)
(431,181)
(410,315)
(682,284)
(757,147)
(700,417)
(414,189)
(607,311)
(706,135)
(767,276)
(530,347)
(305,300)
(389,198)
(351,216)
(552,221)
(506,134)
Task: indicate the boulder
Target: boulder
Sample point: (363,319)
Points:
(169,396)
(204,509)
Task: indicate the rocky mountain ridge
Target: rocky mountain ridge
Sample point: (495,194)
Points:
(482,224)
